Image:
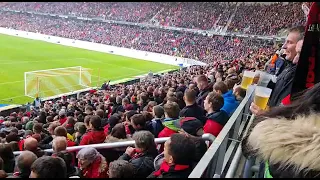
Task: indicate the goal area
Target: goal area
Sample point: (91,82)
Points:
(54,82)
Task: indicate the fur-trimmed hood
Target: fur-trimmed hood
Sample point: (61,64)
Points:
(286,142)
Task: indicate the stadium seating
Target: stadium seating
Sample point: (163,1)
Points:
(196,15)
(113,114)
(182,44)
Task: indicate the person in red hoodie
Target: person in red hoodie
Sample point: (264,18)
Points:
(92,164)
(62,116)
(96,135)
(216,117)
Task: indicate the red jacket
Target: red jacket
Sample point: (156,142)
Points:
(63,120)
(215,122)
(166,132)
(97,169)
(212,127)
(70,143)
(93,137)
(106,129)
(286,100)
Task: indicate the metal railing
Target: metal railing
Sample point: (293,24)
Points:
(207,137)
(219,158)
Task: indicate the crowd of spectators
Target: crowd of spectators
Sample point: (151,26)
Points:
(266,19)
(132,12)
(181,105)
(195,15)
(182,44)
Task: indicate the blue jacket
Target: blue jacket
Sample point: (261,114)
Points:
(230,103)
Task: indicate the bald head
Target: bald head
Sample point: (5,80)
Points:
(30,144)
(298,50)
(59,143)
(25,160)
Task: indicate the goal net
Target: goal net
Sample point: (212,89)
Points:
(53,82)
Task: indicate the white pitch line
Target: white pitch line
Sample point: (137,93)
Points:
(12,82)
(48,60)
(103,62)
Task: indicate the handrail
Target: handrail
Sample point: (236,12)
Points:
(233,166)
(208,137)
(221,138)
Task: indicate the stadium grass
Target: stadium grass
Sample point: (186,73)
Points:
(19,55)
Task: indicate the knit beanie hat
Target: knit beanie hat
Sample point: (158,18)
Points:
(191,125)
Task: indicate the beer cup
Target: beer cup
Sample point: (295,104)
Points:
(247,79)
(257,76)
(261,97)
(264,79)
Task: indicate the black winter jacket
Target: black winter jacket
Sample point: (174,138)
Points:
(143,164)
(283,85)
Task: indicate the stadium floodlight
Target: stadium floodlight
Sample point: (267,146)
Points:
(54,82)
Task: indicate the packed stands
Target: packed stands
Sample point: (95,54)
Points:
(266,19)
(193,15)
(182,44)
(163,106)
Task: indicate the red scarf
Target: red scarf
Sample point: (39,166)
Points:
(307,73)
(165,167)
(138,153)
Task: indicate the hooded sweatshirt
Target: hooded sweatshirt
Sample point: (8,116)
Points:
(93,137)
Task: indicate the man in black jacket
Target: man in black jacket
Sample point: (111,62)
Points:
(285,78)
(204,87)
(142,156)
(284,82)
(192,109)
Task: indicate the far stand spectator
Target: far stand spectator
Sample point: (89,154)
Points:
(48,167)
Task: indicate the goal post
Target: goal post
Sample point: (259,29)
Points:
(53,82)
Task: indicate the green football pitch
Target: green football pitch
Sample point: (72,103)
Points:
(19,55)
